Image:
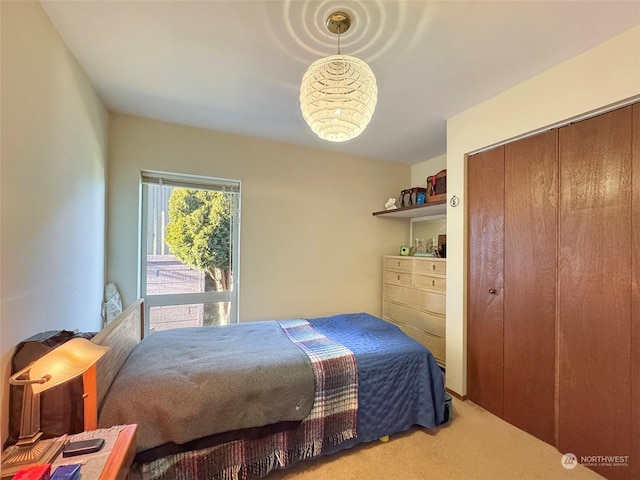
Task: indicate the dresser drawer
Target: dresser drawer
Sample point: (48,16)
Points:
(396,263)
(433,283)
(412,297)
(430,266)
(398,278)
(436,345)
(427,322)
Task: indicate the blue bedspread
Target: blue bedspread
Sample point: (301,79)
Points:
(401,384)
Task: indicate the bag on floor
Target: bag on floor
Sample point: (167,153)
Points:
(448,410)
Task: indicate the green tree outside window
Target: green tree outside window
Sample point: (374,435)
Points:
(199,235)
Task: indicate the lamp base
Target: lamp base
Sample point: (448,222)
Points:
(17,457)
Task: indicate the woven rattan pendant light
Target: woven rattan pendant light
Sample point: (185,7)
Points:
(338,94)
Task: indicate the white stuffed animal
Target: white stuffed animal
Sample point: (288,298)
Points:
(391,204)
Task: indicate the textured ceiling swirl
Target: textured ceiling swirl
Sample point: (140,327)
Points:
(236,66)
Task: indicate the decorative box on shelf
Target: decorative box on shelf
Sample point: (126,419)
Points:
(413,196)
(437,187)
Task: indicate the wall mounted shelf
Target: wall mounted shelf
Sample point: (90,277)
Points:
(415,211)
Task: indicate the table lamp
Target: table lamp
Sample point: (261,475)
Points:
(58,366)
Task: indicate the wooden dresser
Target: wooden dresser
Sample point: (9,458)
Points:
(414,298)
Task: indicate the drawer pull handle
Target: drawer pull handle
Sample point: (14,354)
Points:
(398,264)
(433,283)
(433,267)
(492,291)
(398,277)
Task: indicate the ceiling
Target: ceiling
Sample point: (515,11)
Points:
(235,66)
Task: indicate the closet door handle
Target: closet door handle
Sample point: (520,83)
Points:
(492,291)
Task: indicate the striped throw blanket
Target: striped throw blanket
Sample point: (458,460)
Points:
(334,413)
(332,420)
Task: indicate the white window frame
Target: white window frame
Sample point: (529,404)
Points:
(189,181)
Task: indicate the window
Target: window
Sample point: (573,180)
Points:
(189,244)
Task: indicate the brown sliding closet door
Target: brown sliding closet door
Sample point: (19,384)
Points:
(594,289)
(485,190)
(635,298)
(530,240)
(512,193)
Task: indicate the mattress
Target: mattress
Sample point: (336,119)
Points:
(399,385)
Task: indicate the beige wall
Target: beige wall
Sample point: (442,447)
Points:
(309,244)
(420,171)
(52,186)
(602,76)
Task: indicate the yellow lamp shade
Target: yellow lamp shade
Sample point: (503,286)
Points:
(61,364)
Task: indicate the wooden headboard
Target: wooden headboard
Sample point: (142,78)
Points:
(121,335)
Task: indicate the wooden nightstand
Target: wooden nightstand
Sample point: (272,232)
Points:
(121,457)
(121,453)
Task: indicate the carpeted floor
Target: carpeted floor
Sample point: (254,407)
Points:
(475,445)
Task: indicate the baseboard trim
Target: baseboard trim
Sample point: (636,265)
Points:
(457,395)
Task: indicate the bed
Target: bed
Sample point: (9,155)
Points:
(342,380)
